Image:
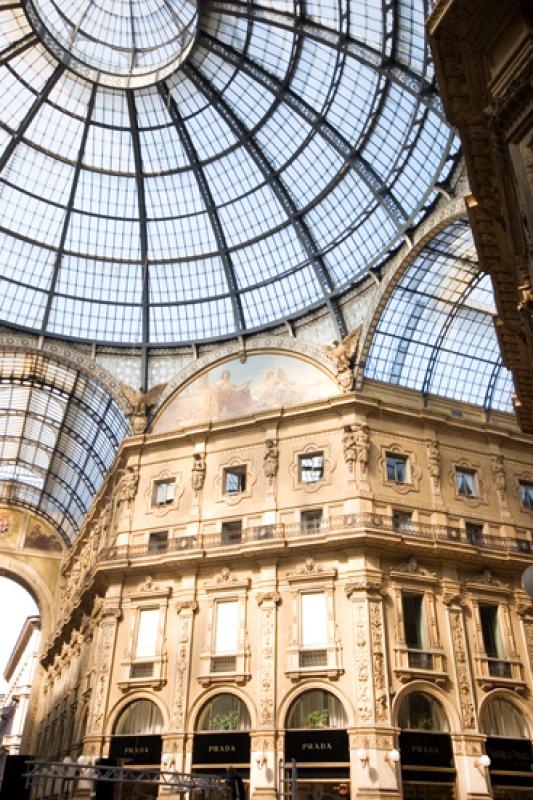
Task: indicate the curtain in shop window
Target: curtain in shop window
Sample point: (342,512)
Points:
(140,718)
(316,701)
(501,718)
(224,712)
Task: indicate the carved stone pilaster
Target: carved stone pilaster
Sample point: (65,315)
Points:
(103,665)
(381,693)
(186,611)
(364,696)
(267,602)
(460,656)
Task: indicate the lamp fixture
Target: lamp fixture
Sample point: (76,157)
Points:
(483,763)
(392,757)
(362,755)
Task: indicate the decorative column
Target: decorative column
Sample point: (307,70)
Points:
(263,742)
(173,757)
(472,780)
(92,745)
(373,774)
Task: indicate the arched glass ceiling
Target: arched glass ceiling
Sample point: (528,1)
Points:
(437,334)
(59,432)
(286,156)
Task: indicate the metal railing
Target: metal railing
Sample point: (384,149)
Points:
(363,523)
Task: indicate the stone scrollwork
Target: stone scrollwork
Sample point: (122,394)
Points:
(461,667)
(378,660)
(186,610)
(267,602)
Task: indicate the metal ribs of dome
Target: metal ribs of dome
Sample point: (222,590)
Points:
(436,332)
(281,162)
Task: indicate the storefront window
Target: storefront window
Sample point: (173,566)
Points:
(140,718)
(225,712)
(419,711)
(316,709)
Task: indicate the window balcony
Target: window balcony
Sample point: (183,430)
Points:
(492,673)
(411,664)
(305,662)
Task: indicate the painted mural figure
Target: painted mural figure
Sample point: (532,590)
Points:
(229,399)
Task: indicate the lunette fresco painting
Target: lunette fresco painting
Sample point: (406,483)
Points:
(233,389)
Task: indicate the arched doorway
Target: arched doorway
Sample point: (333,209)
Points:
(317,740)
(136,741)
(222,737)
(428,769)
(509,748)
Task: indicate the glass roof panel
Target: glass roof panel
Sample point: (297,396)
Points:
(59,433)
(436,333)
(265,142)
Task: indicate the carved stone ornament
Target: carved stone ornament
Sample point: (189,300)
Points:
(198,472)
(310,569)
(343,354)
(127,486)
(498,472)
(271,460)
(412,567)
(364,585)
(349,448)
(186,605)
(486,578)
(433,456)
(268,597)
(140,404)
(461,666)
(413,470)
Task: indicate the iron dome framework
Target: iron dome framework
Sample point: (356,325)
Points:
(287,156)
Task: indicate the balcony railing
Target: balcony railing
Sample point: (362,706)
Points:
(363,523)
(419,659)
(499,668)
(492,672)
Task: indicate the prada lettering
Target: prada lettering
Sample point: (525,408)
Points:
(222,748)
(135,750)
(417,748)
(316,746)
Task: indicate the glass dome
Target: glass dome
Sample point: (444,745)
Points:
(162,184)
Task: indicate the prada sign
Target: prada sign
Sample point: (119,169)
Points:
(136,749)
(313,745)
(510,756)
(430,750)
(221,748)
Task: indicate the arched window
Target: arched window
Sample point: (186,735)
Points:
(502,718)
(140,718)
(420,712)
(316,709)
(225,712)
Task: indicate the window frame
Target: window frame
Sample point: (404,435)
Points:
(397,458)
(240,472)
(158,483)
(466,471)
(311,456)
(528,485)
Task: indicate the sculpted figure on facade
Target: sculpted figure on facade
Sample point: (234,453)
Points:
(433,452)
(362,440)
(198,472)
(349,448)
(271,460)
(498,471)
(127,486)
(342,354)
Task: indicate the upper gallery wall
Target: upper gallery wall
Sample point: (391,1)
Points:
(172,174)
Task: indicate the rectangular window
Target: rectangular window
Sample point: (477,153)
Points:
(413,624)
(474,532)
(158,542)
(490,630)
(396,468)
(147,632)
(311,467)
(231,532)
(465,481)
(401,520)
(163,493)
(227,627)
(314,619)
(526,494)
(415,632)
(234,480)
(311,521)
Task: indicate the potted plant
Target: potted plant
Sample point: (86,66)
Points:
(318,719)
(225,722)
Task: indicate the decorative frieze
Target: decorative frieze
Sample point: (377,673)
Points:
(186,610)
(267,602)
